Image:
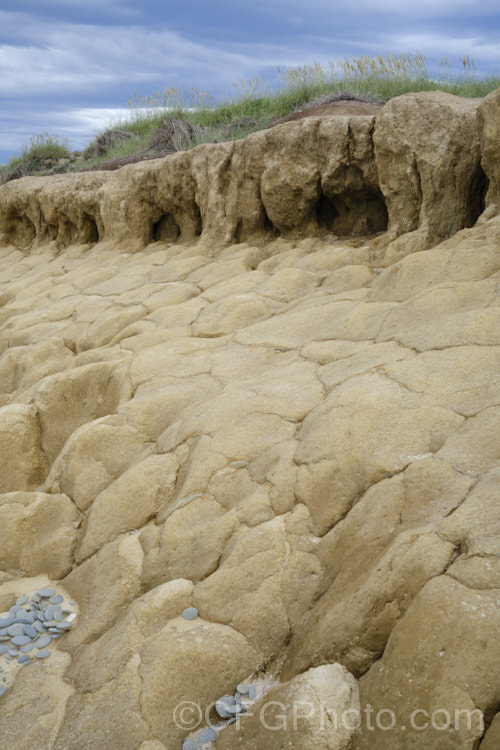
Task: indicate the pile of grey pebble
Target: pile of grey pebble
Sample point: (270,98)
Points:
(229,708)
(30,626)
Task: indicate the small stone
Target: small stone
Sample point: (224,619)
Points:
(57,599)
(20,640)
(6,621)
(208,735)
(190,613)
(30,630)
(23,659)
(252,692)
(35,598)
(24,618)
(12,652)
(58,616)
(43,641)
(236,709)
(45,593)
(27,649)
(3,690)
(22,600)
(42,654)
(190,745)
(39,627)
(3,648)
(71,616)
(242,688)
(224,705)
(52,610)
(16,629)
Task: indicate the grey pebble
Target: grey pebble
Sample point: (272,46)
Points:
(39,626)
(12,652)
(30,630)
(3,648)
(25,619)
(252,692)
(20,640)
(57,599)
(23,659)
(190,613)
(53,610)
(22,600)
(45,593)
(42,654)
(35,598)
(208,735)
(58,616)
(64,625)
(190,745)
(43,641)
(6,621)
(3,690)
(236,709)
(27,649)
(17,629)
(224,705)
(242,688)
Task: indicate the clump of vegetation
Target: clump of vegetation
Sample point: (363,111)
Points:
(45,146)
(42,154)
(252,105)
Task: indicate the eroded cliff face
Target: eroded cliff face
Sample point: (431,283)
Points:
(260,379)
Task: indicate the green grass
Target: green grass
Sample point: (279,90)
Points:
(45,146)
(385,76)
(251,105)
(39,155)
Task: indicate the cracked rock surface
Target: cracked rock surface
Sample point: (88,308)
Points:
(261,379)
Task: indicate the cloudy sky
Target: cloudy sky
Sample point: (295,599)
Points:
(68,67)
